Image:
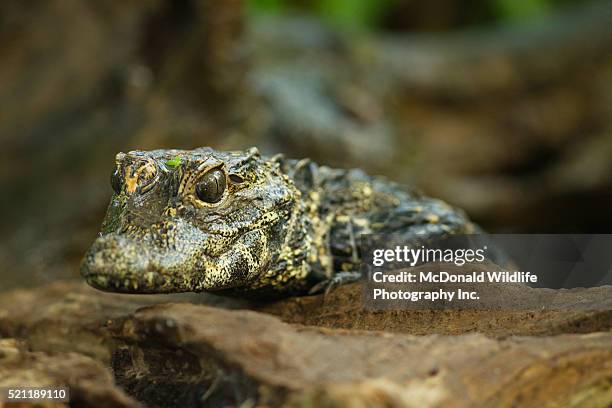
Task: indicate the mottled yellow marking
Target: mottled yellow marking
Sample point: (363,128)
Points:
(361,222)
(131,182)
(150,278)
(343,218)
(432,218)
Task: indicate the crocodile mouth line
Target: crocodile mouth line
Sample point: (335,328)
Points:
(150,282)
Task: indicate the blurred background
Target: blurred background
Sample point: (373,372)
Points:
(501,107)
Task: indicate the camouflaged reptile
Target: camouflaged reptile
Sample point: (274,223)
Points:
(242,223)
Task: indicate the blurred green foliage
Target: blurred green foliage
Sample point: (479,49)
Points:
(360,15)
(521,9)
(346,14)
(353,14)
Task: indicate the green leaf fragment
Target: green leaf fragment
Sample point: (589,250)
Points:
(175,162)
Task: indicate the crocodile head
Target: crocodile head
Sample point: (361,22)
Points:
(193,220)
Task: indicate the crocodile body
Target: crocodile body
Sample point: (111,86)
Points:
(242,223)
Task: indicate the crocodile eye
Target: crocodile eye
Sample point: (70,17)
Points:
(116,181)
(211,187)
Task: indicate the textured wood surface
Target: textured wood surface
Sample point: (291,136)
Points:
(208,351)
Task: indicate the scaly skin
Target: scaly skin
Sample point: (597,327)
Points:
(280,227)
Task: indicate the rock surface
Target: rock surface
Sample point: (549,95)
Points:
(90,383)
(217,352)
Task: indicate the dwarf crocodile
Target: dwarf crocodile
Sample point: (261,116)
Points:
(239,222)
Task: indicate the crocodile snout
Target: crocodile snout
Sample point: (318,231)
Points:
(118,263)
